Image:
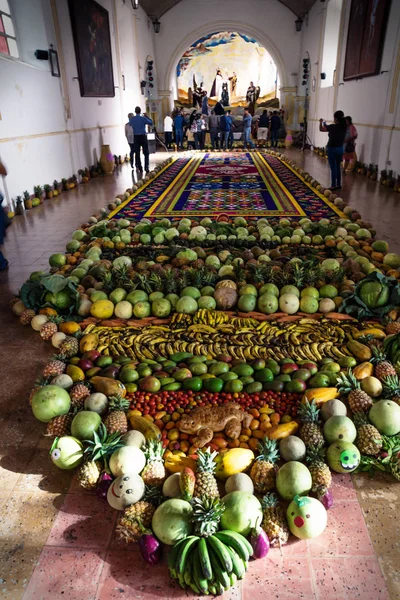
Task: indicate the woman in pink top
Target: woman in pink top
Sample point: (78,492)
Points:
(349,143)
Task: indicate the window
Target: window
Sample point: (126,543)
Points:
(8,41)
(331,41)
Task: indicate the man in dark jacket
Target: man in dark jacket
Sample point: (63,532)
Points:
(275,125)
(138,124)
(225,125)
(263,124)
(213,123)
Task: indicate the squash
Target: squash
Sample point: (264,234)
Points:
(149,430)
(365,369)
(108,386)
(235,460)
(359,351)
(320,395)
(278,432)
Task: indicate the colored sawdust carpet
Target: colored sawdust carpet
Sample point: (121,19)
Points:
(244,184)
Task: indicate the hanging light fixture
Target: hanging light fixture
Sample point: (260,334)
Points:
(157,26)
(299,23)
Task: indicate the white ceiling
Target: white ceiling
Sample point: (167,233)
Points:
(156,8)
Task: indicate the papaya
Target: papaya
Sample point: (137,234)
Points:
(89,342)
(149,430)
(365,369)
(359,351)
(108,386)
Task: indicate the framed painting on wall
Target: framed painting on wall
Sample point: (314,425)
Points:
(91,33)
(365,38)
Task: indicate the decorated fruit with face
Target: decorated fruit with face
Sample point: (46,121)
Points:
(306,517)
(343,457)
(66,452)
(125,490)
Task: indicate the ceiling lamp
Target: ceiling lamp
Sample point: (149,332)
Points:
(157,26)
(299,23)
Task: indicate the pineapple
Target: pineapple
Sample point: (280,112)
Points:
(55,367)
(135,518)
(79,392)
(358,400)
(154,471)
(50,328)
(369,440)
(320,472)
(27,316)
(383,367)
(206,515)
(95,455)
(154,495)
(116,421)
(170,282)
(60,426)
(69,347)
(298,275)
(263,471)
(392,328)
(206,484)
(310,431)
(391,388)
(274,521)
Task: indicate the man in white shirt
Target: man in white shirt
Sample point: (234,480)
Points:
(168,123)
(129,136)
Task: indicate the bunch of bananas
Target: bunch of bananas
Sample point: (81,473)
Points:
(391,347)
(212,318)
(210,565)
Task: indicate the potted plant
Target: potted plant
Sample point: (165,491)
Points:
(85,175)
(38,195)
(27,200)
(49,191)
(18,206)
(374,175)
(56,188)
(390,180)
(65,186)
(383,179)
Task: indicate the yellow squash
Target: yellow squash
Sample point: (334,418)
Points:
(235,460)
(175,463)
(359,351)
(278,432)
(320,395)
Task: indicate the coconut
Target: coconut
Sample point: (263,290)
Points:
(225,297)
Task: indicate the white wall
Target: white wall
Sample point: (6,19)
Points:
(367,100)
(39,141)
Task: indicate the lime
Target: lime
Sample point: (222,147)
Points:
(233,386)
(192,383)
(128,375)
(213,385)
(264,375)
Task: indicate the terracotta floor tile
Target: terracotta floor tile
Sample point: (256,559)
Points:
(342,488)
(12,463)
(16,568)
(54,482)
(119,579)
(345,535)
(348,579)
(83,522)
(26,519)
(278,577)
(66,573)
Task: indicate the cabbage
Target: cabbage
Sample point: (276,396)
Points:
(330,264)
(242,231)
(159,238)
(213,261)
(187,254)
(123,223)
(240,222)
(122,260)
(206,222)
(373,293)
(198,230)
(172,233)
(341,232)
(363,234)
(226,270)
(186,222)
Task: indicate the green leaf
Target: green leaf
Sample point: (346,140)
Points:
(54,283)
(31,294)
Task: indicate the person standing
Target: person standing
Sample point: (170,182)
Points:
(213,123)
(178,123)
(225,125)
(230,137)
(168,124)
(263,123)
(349,143)
(138,124)
(275,125)
(336,134)
(247,120)
(204,103)
(129,137)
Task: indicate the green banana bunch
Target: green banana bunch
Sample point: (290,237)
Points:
(210,565)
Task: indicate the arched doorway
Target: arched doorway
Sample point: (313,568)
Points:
(222,65)
(168,80)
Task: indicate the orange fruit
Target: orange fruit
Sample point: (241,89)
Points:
(69,327)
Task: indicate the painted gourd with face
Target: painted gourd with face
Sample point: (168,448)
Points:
(125,490)
(343,457)
(66,452)
(306,517)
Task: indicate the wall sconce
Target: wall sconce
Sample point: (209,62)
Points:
(299,23)
(157,26)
